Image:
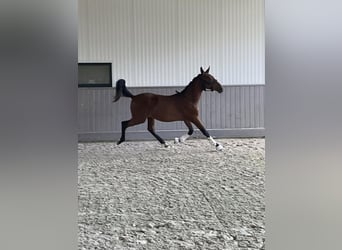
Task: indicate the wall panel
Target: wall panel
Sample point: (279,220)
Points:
(238,108)
(164,42)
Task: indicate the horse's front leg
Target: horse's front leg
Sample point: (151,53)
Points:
(199,125)
(185,136)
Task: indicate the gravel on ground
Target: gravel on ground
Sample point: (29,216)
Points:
(139,195)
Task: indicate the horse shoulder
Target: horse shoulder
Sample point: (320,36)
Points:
(187,107)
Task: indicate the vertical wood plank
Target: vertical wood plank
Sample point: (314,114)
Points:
(252,103)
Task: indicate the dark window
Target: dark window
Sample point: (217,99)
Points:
(95,75)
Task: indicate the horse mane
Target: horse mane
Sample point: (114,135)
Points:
(187,86)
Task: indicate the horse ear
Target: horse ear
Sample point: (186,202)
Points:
(202,71)
(207,71)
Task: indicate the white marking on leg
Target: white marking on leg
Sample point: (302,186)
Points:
(184,137)
(218,146)
(212,140)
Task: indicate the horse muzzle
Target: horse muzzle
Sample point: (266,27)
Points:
(220,90)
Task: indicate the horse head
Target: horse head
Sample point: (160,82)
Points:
(208,81)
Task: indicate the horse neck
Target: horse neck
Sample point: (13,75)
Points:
(193,91)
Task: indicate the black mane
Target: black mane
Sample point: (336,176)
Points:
(187,86)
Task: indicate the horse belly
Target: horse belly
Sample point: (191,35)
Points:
(167,114)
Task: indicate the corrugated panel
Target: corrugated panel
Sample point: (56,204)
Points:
(236,107)
(164,42)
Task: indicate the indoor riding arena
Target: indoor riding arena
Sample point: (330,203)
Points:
(139,195)
(203,192)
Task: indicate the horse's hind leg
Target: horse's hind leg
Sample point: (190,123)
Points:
(126,124)
(150,128)
(185,136)
(198,124)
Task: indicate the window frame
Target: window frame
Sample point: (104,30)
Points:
(95,85)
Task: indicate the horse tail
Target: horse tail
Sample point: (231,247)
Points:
(121,90)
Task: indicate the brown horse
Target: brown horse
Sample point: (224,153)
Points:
(182,106)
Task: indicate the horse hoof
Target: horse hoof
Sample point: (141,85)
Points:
(167,146)
(219,147)
(177,140)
